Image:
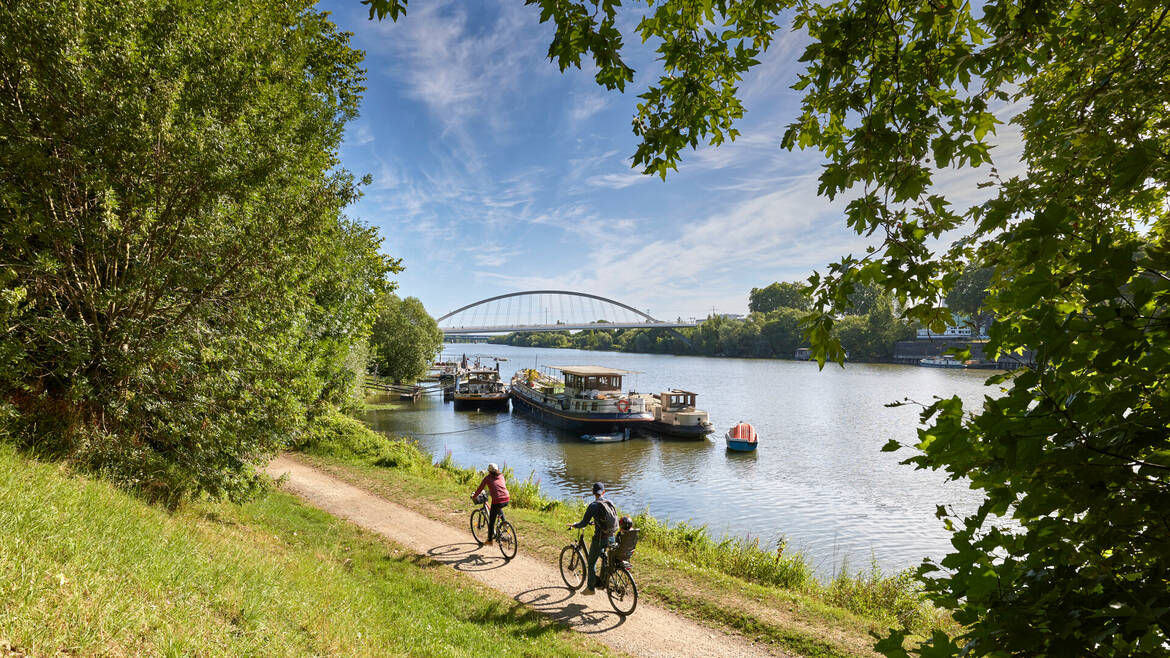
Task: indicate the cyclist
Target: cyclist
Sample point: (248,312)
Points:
(494,482)
(603,515)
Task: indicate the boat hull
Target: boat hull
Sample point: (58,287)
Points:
(742,446)
(680,431)
(568,420)
(493,403)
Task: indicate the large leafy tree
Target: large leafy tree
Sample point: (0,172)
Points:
(968,294)
(895,94)
(404,338)
(781,294)
(177,284)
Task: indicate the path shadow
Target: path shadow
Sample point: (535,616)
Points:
(468,556)
(560,604)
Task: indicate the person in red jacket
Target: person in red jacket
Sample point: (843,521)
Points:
(494,482)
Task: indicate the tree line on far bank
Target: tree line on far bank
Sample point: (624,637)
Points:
(772,329)
(775,326)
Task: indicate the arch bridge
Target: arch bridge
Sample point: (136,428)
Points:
(549,310)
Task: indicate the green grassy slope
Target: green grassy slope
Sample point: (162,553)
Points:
(87,569)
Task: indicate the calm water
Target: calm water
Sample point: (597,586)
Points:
(818,478)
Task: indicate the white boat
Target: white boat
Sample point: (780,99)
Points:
(941,362)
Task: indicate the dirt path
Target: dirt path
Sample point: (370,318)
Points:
(650,631)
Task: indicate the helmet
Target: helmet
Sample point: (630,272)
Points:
(626,523)
(492,468)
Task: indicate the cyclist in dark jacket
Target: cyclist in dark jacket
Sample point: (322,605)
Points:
(595,513)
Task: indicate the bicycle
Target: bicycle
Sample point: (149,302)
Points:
(618,582)
(505,534)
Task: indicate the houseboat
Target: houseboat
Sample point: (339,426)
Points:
(586,399)
(481,389)
(675,415)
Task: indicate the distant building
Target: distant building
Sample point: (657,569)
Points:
(951,332)
(730,316)
(958,328)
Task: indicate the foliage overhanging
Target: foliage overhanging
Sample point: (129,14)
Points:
(896,95)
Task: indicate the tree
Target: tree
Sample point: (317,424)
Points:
(1076,450)
(789,294)
(864,299)
(178,287)
(404,339)
(968,294)
(782,332)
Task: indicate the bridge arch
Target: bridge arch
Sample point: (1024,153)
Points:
(572,293)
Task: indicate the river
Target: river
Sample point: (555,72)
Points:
(818,479)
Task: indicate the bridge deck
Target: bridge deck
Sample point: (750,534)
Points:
(565,327)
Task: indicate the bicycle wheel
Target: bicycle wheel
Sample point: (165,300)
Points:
(506,539)
(572,567)
(623,591)
(479,525)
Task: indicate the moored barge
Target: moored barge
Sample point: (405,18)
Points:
(481,389)
(587,399)
(675,415)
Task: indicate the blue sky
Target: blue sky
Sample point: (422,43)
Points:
(494,172)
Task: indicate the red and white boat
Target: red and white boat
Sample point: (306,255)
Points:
(742,437)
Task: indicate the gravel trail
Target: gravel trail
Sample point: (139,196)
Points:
(650,631)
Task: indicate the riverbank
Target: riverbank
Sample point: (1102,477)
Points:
(735,584)
(86,569)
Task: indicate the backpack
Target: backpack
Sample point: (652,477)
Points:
(607,521)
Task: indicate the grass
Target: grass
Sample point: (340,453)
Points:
(86,569)
(760,591)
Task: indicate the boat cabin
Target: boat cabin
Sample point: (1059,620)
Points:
(592,381)
(678,400)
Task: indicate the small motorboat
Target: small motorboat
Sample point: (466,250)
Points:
(742,437)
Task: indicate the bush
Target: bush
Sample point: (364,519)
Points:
(875,594)
(735,556)
(339,436)
(526,493)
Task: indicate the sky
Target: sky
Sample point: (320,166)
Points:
(493,172)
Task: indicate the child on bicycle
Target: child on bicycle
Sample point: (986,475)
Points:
(494,482)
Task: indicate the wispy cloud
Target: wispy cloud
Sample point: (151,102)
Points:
(458,69)
(776,235)
(617,181)
(586,105)
(360,135)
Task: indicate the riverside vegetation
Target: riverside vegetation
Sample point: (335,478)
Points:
(761,591)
